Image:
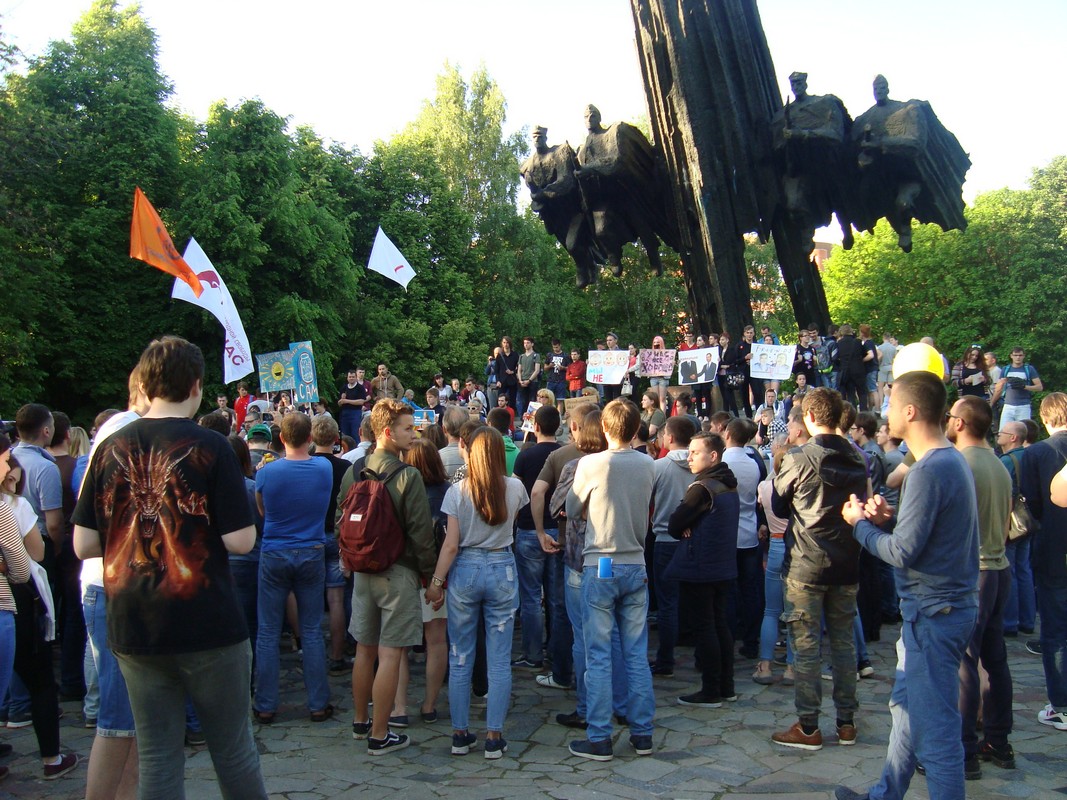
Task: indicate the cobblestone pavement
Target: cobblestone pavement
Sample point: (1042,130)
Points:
(703,754)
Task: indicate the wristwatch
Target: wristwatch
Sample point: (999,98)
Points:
(437,581)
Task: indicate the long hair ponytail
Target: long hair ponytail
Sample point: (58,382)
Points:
(486,466)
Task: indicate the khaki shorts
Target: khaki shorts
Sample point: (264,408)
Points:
(385,608)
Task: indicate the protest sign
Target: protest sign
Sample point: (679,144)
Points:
(276,371)
(304,374)
(656,363)
(528,417)
(573,402)
(607,366)
(698,366)
(772,361)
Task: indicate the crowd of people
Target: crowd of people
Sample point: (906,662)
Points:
(747,519)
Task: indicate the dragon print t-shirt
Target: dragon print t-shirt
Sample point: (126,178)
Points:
(162,493)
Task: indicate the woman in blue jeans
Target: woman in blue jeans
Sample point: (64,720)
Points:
(774,601)
(478,559)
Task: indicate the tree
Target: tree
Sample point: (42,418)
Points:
(988,285)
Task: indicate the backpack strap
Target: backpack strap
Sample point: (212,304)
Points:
(370,475)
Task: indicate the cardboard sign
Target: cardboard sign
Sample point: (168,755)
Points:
(656,363)
(698,366)
(573,402)
(772,361)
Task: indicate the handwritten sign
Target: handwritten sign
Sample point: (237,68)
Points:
(607,367)
(772,361)
(528,418)
(698,366)
(573,402)
(656,363)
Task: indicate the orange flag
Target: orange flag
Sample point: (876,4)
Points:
(150,243)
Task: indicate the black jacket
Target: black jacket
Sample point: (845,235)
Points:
(815,481)
(710,511)
(1039,463)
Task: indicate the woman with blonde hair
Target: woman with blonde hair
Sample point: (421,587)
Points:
(478,559)
(79,442)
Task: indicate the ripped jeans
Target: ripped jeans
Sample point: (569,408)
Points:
(481,583)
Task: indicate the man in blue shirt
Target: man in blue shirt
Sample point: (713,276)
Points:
(934,549)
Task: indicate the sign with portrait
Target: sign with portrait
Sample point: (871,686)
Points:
(698,366)
(772,361)
(304,374)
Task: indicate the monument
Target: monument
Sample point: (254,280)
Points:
(730,160)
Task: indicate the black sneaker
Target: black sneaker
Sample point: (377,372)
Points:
(1032,646)
(572,720)
(660,671)
(340,666)
(194,738)
(392,741)
(495,748)
(700,700)
(462,743)
(1003,757)
(642,745)
(864,669)
(360,730)
(972,768)
(524,663)
(595,751)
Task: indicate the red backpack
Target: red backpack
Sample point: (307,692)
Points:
(369,534)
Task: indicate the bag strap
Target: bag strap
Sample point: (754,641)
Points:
(1015,485)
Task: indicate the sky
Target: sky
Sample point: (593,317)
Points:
(358,71)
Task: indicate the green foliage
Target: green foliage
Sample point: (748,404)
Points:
(1000,283)
(289,222)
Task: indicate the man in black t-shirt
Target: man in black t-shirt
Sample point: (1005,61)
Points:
(352,397)
(159,504)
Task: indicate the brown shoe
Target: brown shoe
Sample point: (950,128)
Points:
(795,737)
(846,735)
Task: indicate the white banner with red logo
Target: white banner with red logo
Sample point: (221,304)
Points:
(237,354)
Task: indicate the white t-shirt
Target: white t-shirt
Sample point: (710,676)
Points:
(475,531)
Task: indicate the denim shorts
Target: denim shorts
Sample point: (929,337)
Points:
(115,717)
(335,577)
(872,381)
(654,382)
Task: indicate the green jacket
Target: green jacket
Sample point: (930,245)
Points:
(412,510)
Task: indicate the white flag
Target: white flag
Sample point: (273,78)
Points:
(390,262)
(237,355)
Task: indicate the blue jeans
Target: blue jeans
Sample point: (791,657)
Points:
(1052,592)
(350,422)
(114,717)
(558,389)
(618,669)
(608,604)
(924,707)
(666,602)
(217,680)
(481,584)
(775,603)
(301,570)
(1021,609)
(7,649)
(536,569)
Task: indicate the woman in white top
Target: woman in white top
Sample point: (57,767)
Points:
(482,583)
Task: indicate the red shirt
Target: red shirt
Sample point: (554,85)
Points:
(240,407)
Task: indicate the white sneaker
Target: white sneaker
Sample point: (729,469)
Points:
(550,682)
(1050,716)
